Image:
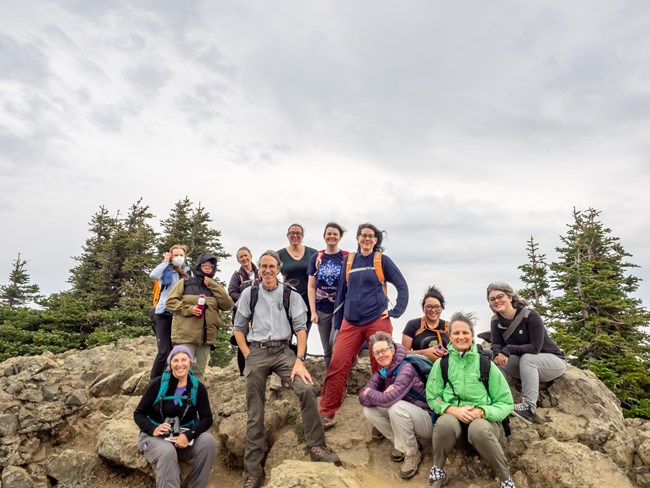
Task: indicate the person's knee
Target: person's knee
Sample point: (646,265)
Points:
(447,425)
(480,431)
(397,410)
(207,443)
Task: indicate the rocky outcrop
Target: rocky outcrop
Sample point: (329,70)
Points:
(68,418)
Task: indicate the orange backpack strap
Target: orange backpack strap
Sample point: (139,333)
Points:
(156,293)
(376,263)
(348,265)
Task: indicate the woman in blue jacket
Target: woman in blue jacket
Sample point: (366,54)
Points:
(361,310)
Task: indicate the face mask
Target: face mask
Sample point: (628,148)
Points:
(178,261)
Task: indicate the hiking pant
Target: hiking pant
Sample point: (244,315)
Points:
(531,369)
(325,332)
(165,457)
(163,328)
(481,434)
(260,363)
(201,357)
(347,345)
(402,424)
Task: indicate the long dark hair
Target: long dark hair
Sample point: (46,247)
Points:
(379,233)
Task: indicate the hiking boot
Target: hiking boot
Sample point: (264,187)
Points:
(376,434)
(276,383)
(253,481)
(323,454)
(410,465)
(524,412)
(328,422)
(508,483)
(437,477)
(397,456)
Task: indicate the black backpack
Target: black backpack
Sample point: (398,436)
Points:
(485,365)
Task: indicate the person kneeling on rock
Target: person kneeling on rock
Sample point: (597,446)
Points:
(263,333)
(467,411)
(174,415)
(395,404)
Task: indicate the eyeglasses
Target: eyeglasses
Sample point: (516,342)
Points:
(500,296)
(429,308)
(367,236)
(381,352)
(294,234)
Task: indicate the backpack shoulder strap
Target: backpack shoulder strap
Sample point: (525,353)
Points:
(319,259)
(255,291)
(156,293)
(348,265)
(376,263)
(485,365)
(444,369)
(286,302)
(164,384)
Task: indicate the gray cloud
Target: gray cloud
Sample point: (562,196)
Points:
(23,62)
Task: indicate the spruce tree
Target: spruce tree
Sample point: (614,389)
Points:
(535,277)
(597,321)
(19,292)
(177,228)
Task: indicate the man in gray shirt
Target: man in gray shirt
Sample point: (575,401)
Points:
(265,345)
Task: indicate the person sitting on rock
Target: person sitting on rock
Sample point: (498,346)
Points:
(394,403)
(466,409)
(263,333)
(185,399)
(522,347)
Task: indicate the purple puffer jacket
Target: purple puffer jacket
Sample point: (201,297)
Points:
(406,379)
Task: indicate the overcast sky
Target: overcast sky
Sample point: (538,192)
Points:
(461,128)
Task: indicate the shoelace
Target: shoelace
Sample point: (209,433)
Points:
(508,483)
(250,482)
(436,474)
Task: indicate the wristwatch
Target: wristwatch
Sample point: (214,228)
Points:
(302,358)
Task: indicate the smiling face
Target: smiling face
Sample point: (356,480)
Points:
(269,270)
(432,310)
(244,258)
(500,302)
(383,353)
(180,365)
(461,335)
(295,235)
(332,236)
(367,240)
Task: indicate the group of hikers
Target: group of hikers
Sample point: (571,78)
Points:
(437,385)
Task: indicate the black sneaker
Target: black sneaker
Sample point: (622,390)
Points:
(524,412)
(323,454)
(376,434)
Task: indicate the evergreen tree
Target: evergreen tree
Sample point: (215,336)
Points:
(91,279)
(192,227)
(596,320)
(537,290)
(19,292)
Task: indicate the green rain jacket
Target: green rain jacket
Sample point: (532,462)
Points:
(464,373)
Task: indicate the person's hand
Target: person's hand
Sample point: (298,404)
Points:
(161,429)
(437,352)
(167,256)
(182,441)
(477,413)
(365,391)
(389,389)
(197,311)
(206,280)
(384,314)
(501,360)
(464,414)
(314,318)
(299,369)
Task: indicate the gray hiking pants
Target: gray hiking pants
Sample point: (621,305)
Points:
(531,369)
(402,424)
(165,457)
(259,364)
(481,434)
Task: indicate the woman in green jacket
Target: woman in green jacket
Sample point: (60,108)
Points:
(465,409)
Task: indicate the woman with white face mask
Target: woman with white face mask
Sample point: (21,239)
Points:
(167,273)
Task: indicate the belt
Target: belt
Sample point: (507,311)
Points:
(265,344)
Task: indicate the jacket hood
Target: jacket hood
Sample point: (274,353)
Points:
(206,256)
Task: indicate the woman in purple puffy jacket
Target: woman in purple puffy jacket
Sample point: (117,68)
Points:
(395,403)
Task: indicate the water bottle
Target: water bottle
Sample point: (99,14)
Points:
(201,304)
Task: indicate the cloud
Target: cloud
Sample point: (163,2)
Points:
(23,62)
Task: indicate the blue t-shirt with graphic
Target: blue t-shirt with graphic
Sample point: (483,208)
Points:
(327,279)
